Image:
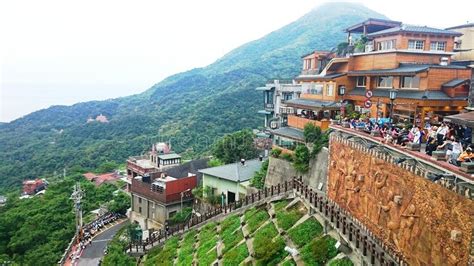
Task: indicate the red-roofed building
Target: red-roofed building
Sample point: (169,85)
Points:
(31,187)
(103,178)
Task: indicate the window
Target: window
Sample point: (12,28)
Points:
(330,89)
(360,82)
(314,88)
(139,200)
(386,45)
(139,209)
(384,82)
(416,44)
(410,82)
(438,46)
(287,96)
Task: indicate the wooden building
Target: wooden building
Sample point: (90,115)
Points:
(413,60)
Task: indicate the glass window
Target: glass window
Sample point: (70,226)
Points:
(330,89)
(360,82)
(386,45)
(309,64)
(410,82)
(385,82)
(314,88)
(438,46)
(416,44)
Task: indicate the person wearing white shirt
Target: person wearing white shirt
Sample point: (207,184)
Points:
(441,133)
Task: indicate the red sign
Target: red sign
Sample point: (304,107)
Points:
(367,104)
(369,94)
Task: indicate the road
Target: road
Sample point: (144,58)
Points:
(95,251)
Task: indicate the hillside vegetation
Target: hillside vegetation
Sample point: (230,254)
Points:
(191,108)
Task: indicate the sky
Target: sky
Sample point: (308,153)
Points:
(56,52)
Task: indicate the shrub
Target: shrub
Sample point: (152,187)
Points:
(268,251)
(255,218)
(305,232)
(166,255)
(236,255)
(276,152)
(319,251)
(288,157)
(207,258)
(289,262)
(185,255)
(230,232)
(341,262)
(301,158)
(287,218)
(258,180)
(182,216)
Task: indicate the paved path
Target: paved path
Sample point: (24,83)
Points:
(95,251)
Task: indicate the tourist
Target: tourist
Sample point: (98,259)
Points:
(466,156)
(431,142)
(441,133)
(417,135)
(456,150)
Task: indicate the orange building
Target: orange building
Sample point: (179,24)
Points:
(412,60)
(381,58)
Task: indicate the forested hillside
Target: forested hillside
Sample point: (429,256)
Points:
(190,108)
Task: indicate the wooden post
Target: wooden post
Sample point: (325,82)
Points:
(278,188)
(272,191)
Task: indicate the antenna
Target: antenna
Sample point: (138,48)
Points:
(76,196)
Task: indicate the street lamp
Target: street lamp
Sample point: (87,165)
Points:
(342,91)
(392,94)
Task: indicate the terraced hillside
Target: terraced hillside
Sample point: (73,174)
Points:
(257,237)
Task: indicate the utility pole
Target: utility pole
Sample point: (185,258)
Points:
(76,196)
(64,172)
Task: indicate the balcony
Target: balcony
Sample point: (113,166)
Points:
(300,122)
(269,106)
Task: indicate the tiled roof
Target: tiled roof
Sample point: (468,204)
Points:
(402,69)
(408,94)
(416,29)
(235,172)
(289,132)
(454,83)
(313,103)
(462,119)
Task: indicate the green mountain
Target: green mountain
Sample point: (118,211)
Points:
(190,108)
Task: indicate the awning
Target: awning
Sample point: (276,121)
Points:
(455,82)
(464,119)
(289,132)
(437,95)
(313,104)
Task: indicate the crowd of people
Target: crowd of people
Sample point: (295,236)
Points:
(454,140)
(90,229)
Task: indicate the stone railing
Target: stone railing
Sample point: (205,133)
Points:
(351,230)
(162,234)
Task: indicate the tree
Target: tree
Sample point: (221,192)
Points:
(258,180)
(233,147)
(107,167)
(214,162)
(301,158)
(120,203)
(311,132)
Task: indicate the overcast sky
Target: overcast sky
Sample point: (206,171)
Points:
(63,52)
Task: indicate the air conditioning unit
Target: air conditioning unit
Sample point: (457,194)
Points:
(357,108)
(369,47)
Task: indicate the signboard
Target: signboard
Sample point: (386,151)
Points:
(367,104)
(369,94)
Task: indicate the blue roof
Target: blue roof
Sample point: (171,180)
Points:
(313,103)
(454,83)
(235,172)
(415,29)
(289,132)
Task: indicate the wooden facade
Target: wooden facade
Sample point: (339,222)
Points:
(422,72)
